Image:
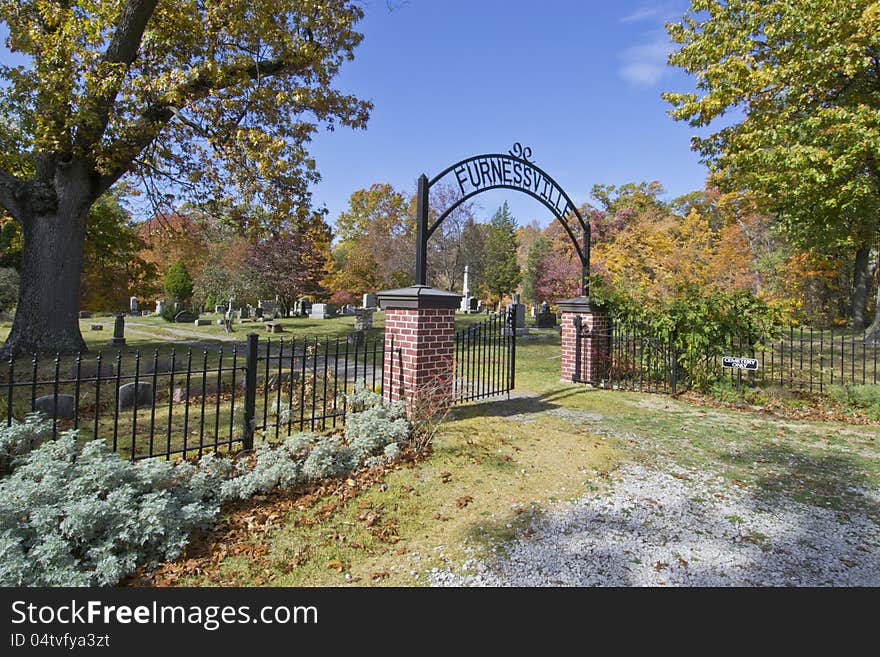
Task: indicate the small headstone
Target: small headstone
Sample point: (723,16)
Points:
(185,317)
(322,311)
(142,390)
(118,339)
(133,305)
(545,320)
(160,306)
(85,314)
(62,408)
(303,307)
(96,327)
(202,322)
(369,301)
(179,395)
(219,309)
(258,312)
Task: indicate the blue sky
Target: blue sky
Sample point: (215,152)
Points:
(577,81)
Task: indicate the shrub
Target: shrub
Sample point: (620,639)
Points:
(281,465)
(20,438)
(80,515)
(330,457)
(374,424)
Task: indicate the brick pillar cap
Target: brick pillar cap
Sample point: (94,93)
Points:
(578,305)
(418,296)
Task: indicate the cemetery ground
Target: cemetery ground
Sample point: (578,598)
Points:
(564,484)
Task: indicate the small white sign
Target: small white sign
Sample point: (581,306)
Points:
(739,362)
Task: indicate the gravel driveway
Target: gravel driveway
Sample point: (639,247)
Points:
(678,527)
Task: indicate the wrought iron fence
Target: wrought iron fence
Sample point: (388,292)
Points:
(485,358)
(187,401)
(639,358)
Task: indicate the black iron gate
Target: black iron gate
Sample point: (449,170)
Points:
(627,356)
(485,358)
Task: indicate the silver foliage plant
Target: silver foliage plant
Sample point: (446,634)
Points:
(74,514)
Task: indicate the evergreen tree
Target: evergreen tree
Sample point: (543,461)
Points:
(500,269)
(178,283)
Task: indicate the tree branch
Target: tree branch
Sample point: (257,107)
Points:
(155,117)
(122,50)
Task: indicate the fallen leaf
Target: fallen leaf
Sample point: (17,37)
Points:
(463,501)
(335,564)
(660,565)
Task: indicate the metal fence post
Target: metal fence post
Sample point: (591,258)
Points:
(674,369)
(250,391)
(511,366)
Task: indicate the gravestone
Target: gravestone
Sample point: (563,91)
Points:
(267,305)
(202,322)
(519,311)
(348,310)
(96,327)
(84,314)
(322,311)
(363,319)
(244,313)
(258,312)
(142,391)
(219,309)
(303,307)
(185,317)
(467,301)
(118,338)
(133,306)
(545,320)
(369,301)
(160,306)
(63,408)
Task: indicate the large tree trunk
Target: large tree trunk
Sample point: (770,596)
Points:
(860,285)
(47,315)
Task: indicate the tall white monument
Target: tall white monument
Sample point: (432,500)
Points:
(465,306)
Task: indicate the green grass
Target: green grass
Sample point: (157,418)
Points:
(515,457)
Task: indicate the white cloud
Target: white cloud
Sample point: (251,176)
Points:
(645,64)
(664,11)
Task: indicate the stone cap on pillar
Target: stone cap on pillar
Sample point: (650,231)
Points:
(577,305)
(418,296)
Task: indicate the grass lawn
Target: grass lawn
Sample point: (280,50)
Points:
(497,463)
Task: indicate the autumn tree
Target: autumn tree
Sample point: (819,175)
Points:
(113,269)
(291,265)
(802,81)
(376,241)
(222,97)
(500,268)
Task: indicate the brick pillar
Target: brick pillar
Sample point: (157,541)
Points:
(595,347)
(419,346)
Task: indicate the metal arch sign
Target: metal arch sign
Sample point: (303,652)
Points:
(515,171)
